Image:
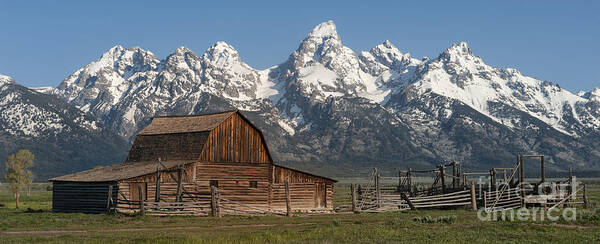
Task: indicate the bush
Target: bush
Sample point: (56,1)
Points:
(430,220)
(49,187)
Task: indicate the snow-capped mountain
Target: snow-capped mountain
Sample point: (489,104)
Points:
(325,103)
(58,133)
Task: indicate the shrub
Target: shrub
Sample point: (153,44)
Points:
(431,220)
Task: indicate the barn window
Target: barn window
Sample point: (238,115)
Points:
(214,183)
(253,184)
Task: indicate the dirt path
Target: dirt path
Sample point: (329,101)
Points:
(60,232)
(191,228)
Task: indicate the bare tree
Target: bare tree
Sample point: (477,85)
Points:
(18,172)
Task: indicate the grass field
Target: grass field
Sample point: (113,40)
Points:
(455,226)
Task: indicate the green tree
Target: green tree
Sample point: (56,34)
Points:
(18,172)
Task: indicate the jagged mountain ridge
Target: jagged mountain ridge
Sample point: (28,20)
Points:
(126,87)
(63,138)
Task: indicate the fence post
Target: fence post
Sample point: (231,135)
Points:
(179,190)
(410,204)
(409,179)
(213,201)
(399,180)
(522,177)
(484,200)
(157,195)
(109,200)
(288,201)
(543,170)
(359,192)
(141,195)
(493,179)
(378,190)
(443,178)
(570,186)
(473,197)
(353,190)
(585,198)
(454,175)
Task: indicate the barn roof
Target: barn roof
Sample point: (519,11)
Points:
(185,124)
(119,171)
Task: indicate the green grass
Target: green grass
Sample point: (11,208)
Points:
(447,226)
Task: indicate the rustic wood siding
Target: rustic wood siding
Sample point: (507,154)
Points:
(280,174)
(235,140)
(303,197)
(181,146)
(81,196)
(234,181)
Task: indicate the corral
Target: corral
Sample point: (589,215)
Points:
(462,190)
(195,165)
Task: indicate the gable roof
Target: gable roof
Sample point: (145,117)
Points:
(173,131)
(119,171)
(185,124)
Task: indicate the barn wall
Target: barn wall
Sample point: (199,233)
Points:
(181,146)
(280,174)
(234,181)
(303,197)
(81,196)
(235,140)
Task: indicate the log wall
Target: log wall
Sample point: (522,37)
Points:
(234,181)
(303,197)
(280,174)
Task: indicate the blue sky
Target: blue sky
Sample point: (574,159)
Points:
(42,42)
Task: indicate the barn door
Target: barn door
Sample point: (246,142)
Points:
(134,193)
(320,195)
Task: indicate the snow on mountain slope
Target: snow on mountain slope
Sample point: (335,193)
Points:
(63,138)
(391,69)
(125,87)
(322,67)
(4,79)
(460,75)
(23,114)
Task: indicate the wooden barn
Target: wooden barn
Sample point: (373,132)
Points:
(179,159)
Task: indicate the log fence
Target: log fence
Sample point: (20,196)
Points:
(211,204)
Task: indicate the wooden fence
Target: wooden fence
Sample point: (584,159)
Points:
(374,200)
(502,199)
(203,205)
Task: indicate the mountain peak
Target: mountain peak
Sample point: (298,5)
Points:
(324,30)
(4,79)
(386,47)
(221,47)
(459,48)
(222,54)
(593,95)
(182,50)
